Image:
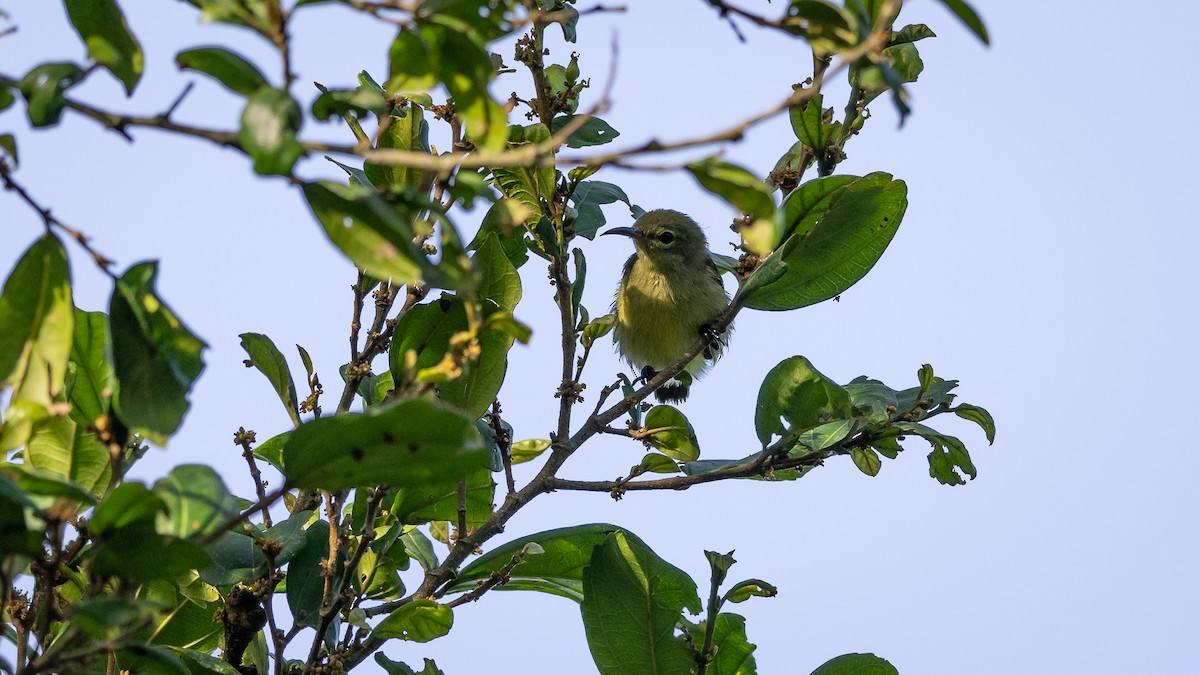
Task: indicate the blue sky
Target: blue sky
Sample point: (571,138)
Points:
(1045,261)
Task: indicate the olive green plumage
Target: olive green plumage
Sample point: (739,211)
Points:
(669,292)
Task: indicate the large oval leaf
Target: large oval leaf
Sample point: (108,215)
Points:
(838,250)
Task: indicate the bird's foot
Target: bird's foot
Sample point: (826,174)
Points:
(713,342)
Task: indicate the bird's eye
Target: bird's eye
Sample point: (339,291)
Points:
(666,237)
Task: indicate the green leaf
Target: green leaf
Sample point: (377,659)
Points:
(375,235)
(597,328)
(197,501)
(588,197)
(463,66)
(822,436)
(396,668)
(750,588)
(499,280)
(967,15)
(805,206)
(676,438)
(156,359)
(911,33)
(426,330)
(358,102)
(138,553)
(90,387)
(656,463)
(808,123)
(406,130)
(99,616)
(474,390)
(234,558)
(840,249)
(270,121)
(558,570)
(201,663)
(417,621)
(826,27)
(109,41)
(43,89)
(305,581)
(234,72)
(979,416)
(432,501)
(872,399)
(36,324)
(37,482)
(410,67)
(128,504)
(949,460)
(632,601)
(735,652)
(801,396)
(856,664)
(61,446)
(736,185)
(410,443)
(8,142)
(866,460)
(594,131)
(267,358)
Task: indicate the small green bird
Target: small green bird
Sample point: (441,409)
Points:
(670,293)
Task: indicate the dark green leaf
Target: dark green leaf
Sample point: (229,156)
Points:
(856,664)
(410,443)
(557,570)
(197,500)
(632,601)
(43,89)
(265,356)
(289,536)
(129,504)
(840,249)
(138,553)
(201,663)
(357,175)
(396,668)
(376,235)
(420,548)
(271,450)
(99,616)
(156,359)
(417,621)
(231,70)
(439,500)
(801,396)
(270,121)
(594,131)
(426,330)
(826,27)
(911,33)
(968,16)
(872,399)
(305,581)
(463,66)
(808,123)
(17,536)
(822,436)
(735,653)
(979,416)
(8,142)
(589,196)
(109,41)
(499,281)
(235,558)
(676,438)
(410,66)
(340,102)
(474,390)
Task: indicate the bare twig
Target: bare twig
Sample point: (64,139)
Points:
(245,438)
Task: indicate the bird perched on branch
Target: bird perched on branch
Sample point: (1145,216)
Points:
(670,294)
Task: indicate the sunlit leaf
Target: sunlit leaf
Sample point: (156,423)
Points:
(109,41)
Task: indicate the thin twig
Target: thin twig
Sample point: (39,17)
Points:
(245,438)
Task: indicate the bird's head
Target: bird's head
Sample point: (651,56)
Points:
(667,237)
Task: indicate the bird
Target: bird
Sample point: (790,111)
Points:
(670,294)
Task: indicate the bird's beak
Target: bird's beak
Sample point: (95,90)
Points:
(627,231)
